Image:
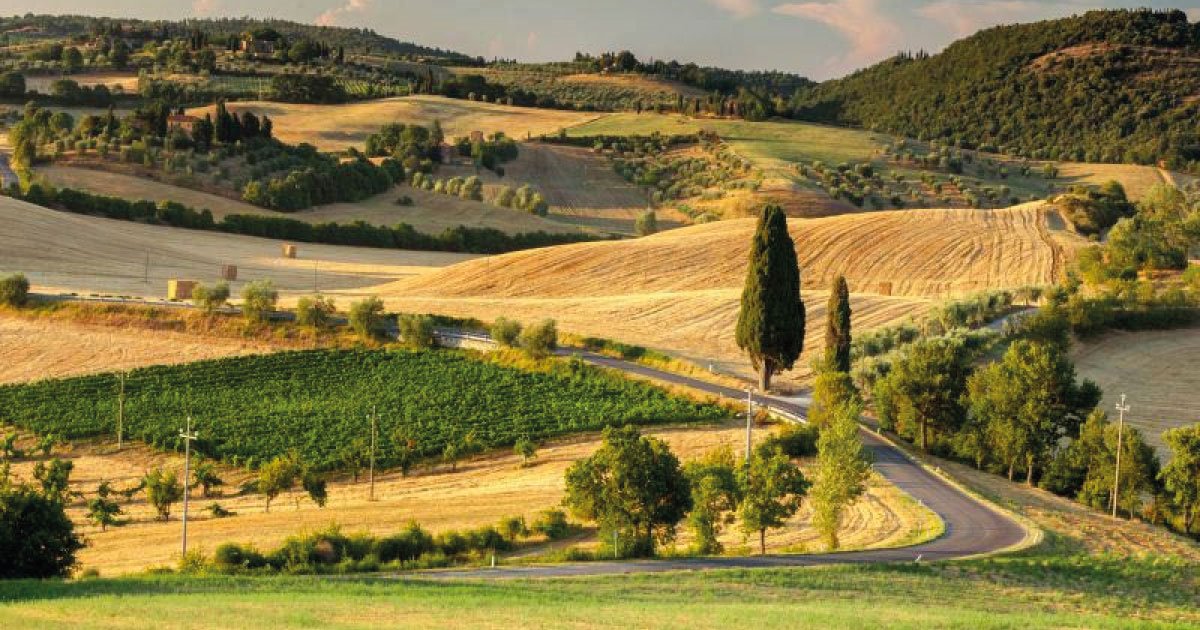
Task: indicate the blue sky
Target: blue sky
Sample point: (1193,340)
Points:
(817,38)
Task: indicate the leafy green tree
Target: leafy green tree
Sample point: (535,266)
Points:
(843,466)
(163,490)
(837,327)
(354,457)
(831,390)
(37,540)
(366,318)
(14,290)
(540,340)
(772,489)
(258,300)
(205,477)
(926,384)
(770,327)
(633,487)
(316,486)
(209,299)
(102,510)
(514,528)
(526,450)
(55,478)
(715,496)
(276,477)
(1181,476)
(72,59)
(1139,470)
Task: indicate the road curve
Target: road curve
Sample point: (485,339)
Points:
(971,527)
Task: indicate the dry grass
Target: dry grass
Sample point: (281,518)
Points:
(431,212)
(1137,180)
(127,82)
(62,252)
(336,127)
(482,492)
(35,349)
(1159,370)
(1074,524)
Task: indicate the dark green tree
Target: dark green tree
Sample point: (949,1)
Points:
(837,327)
(770,326)
(772,488)
(37,540)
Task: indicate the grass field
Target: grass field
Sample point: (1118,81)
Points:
(127,82)
(1158,370)
(336,127)
(64,252)
(431,212)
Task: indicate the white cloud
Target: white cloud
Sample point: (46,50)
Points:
(739,8)
(873,35)
(965,18)
(206,7)
(334,15)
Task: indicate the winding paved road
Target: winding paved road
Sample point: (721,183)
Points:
(972,528)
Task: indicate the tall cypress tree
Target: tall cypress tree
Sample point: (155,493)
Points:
(770,326)
(837,327)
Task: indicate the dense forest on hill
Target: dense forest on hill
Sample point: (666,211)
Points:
(357,40)
(1106,86)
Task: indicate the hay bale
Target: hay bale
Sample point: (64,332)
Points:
(180,289)
(289,250)
(229,272)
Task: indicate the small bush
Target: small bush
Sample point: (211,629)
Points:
(209,299)
(506,332)
(646,224)
(797,440)
(404,201)
(553,525)
(14,290)
(366,318)
(416,331)
(314,311)
(258,300)
(540,341)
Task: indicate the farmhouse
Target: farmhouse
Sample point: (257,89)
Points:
(182,122)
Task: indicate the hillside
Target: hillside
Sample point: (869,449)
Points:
(678,291)
(74,253)
(1106,86)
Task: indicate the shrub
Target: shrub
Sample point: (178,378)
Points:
(553,525)
(416,331)
(366,318)
(209,299)
(506,332)
(797,440)
(14,290)
(258,300)
(646,224)
(540,341)
(314,311)
(404,200)
(37,540)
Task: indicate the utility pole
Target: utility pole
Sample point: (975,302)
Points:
(373,418)
(121,414)
(749,419)
(1122,408)
(187,435)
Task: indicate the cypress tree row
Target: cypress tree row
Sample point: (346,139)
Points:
(837,327)
(770,325)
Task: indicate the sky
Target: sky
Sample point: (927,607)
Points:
(820,39)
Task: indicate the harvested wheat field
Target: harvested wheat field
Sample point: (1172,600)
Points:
(1159,371)
(337,127)
(581,187)
(116,81)
(62,252)
(1137,180)
(482,492)
(430,212)
(32,350)
(678,291)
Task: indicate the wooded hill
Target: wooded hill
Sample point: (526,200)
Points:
(356,40)
(1105,86)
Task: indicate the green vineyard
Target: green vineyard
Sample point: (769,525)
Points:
(316,403)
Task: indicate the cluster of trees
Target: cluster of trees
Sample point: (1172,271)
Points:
(1003,89)
(1092,211)
(411,144)
(539,341)
(307,88)
(329,182)
(490,151)
(229,128)
(402,236)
